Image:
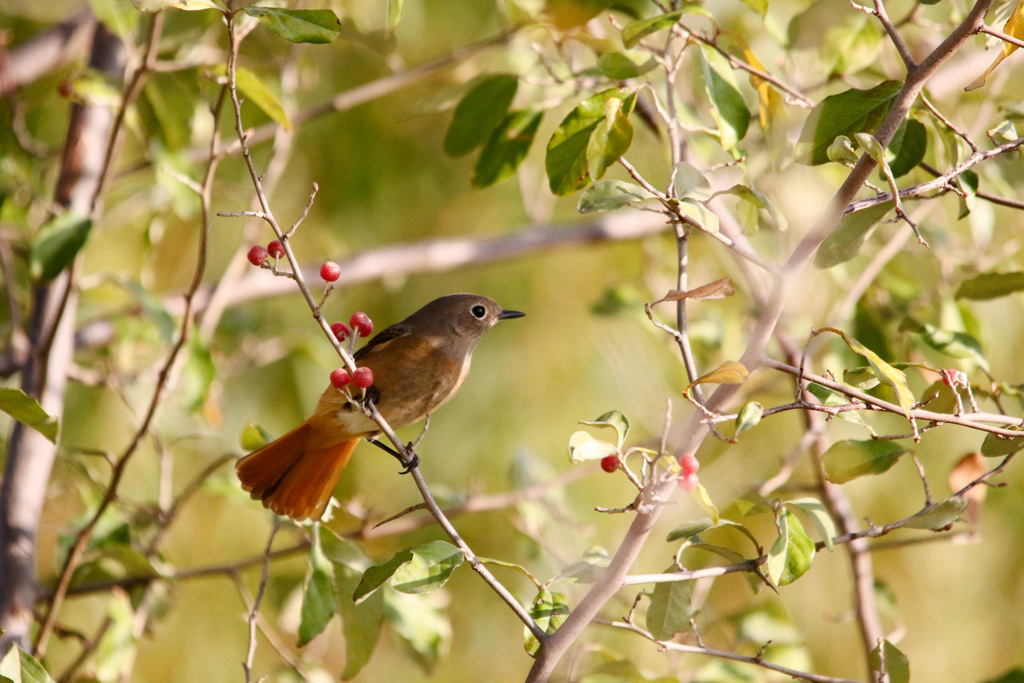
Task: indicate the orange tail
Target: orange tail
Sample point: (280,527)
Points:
(291,479)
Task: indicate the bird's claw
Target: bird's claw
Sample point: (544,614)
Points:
(413,463)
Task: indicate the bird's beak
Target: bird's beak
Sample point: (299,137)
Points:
(508,315)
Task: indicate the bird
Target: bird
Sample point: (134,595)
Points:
(418,364)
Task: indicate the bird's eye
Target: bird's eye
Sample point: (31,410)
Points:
(478,312)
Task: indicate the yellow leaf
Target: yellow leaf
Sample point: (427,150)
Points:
(1014,26)
(886,374)
(700,495)
(729,372)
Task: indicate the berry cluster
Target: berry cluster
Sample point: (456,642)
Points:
(359,325)
(688,477)
(361,378)
(258,254)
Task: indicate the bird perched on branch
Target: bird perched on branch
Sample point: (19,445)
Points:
(416,365)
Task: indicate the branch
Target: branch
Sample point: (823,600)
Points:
(46,52)
(942,182)
(408,457)
(442,255)
(607,585)
(701,649)
(51,336)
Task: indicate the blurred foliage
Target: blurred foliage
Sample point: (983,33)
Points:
(519,124)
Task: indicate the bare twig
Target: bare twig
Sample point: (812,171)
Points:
(701,649)
(254,610)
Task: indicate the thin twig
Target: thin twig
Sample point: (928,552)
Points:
(254,610)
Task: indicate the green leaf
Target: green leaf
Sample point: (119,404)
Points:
(819,516)
(670,610)
(197,374)
(253,437)
(730,555)
(619,67)
(846,240)
(752,196)
(567,159)
(27,411)
(847,460)
(253,90)
(846,113)
(21,667)
(361,624)
(792,553)
(613,419)
(57,244)
(636,31)
(690,529)
(429,568)
(701,497)
(706,219)
(886,658)
(568,13)
(991,286)
(1005,130)
(727,106)
(609,195)
(584,447)
(316,26)
(506,148)
(994,445)
(831,398)
(318,602)
(938,516)
(479,113)
(115,561)
(395,10)
(748,417)
(420,625)
(953,344)
(841,151)
(1011,676)
(968,184)
(549,610)
(690,183)
(729,524)
(588,568)
(610,139)
(908,147)
(759,6)
(886,374)
(377,575)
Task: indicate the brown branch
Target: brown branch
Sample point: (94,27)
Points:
(701,649)
(51,337)
(163,377)
(555,646)
(942,182)
(46,52)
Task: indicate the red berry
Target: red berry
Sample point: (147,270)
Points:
(65,89)
(340,331)
(361,323)
(257,255)
(330,271)
(362,377)
(610,463)
(688,482)
(339,378)
(276,249)
(689,464)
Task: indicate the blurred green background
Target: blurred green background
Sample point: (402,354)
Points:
(384,181)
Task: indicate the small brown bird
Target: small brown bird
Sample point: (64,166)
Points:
(417,365)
